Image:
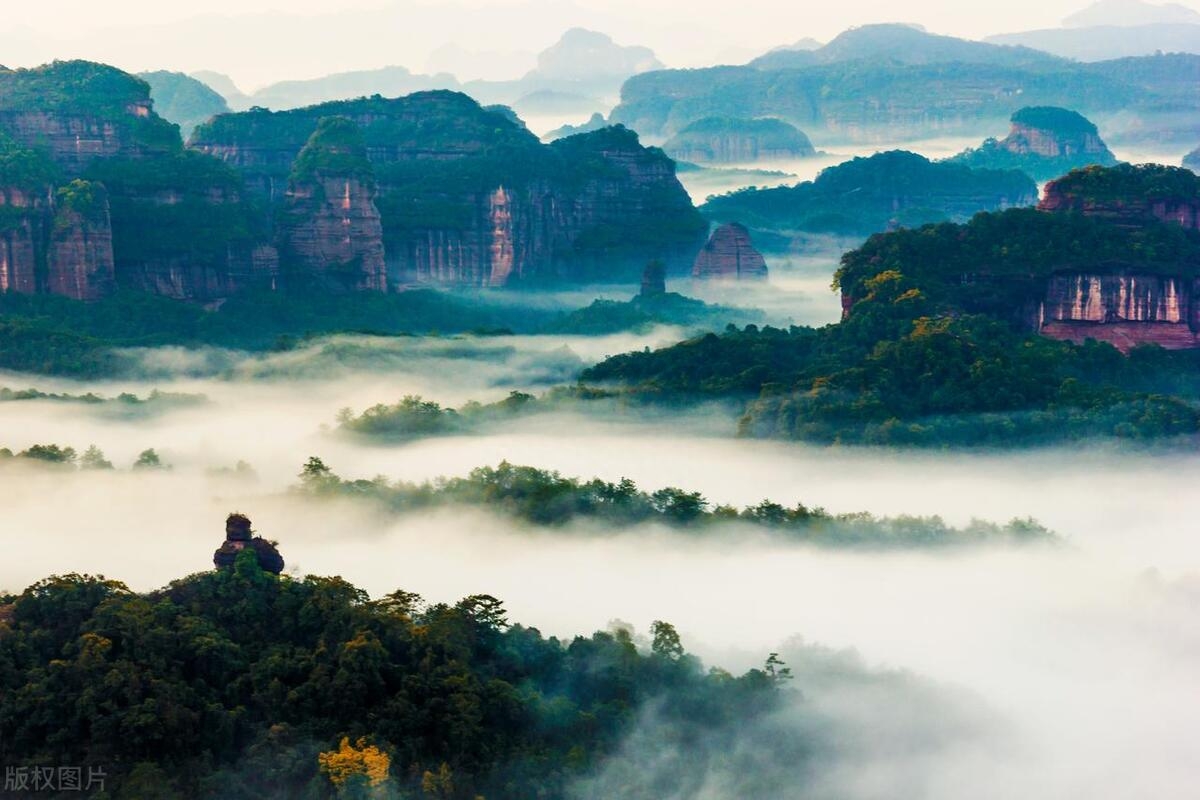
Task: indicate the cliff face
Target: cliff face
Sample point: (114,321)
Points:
(20,238)
(1130,196)
(1044,142)
(467,197)
(1124,310)
(729,255)
(80,261)
(116,201)
(331,229)
(50,243)
(1026,140)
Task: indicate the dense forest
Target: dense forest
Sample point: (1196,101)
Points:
(934,351)
(239,683)
(547,499)
(57,336)
(866,195)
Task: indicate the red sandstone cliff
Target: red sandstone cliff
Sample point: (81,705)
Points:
(331,228)
(729,255)
(55,244)
(1124,310)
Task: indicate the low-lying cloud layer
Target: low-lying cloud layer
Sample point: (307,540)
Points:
(1040,673)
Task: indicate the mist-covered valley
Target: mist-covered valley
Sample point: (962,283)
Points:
(1052,669)
(822,424)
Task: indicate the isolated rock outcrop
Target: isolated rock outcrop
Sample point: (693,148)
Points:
(654,279)
(239,536)
(1044,142)
(729,255)
(331,228)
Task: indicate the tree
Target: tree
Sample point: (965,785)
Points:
(666,643)
(356,763)
(93,458)
(149,459)
(777,670)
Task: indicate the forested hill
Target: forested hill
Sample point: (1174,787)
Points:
(239,684)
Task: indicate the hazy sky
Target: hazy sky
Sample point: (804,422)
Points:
(258,41)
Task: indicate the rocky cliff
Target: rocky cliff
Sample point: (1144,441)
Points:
(1128,195)
(78,111)
(111,197)
(1128,307)
(728,140)
(468,197)
(1124,310)
(729,255)
(1044,142)
(330,228)
(79,260)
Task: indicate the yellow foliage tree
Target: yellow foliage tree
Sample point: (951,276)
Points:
(438,784)
(350,760)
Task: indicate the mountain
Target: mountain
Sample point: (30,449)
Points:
(182,99)
(976,333)
(1131,13)
(469,197)
(224,86)
(1043,143)
(903,44)
(100,194)
(585,56)
(387,81)
(125,204)
(867,195)
(1109,41)
(1148,98)
(583,67)
(725,140)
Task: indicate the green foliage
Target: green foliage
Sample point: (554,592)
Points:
(881,379)
(414,417)
(645,311)
(1071,129)
(866,195)
(545,498)
(23,168)
(1130,182)
(182,99)
(996,262)
(50,453)
(149,459)
(88,199)
(185,206)
(240,684)
(1052,118)
(89,89)
(768,134)
(335,148)
(931,354)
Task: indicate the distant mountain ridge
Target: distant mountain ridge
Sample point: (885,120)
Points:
(1131,13)
(583,65)
(956,87)
(902,44)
